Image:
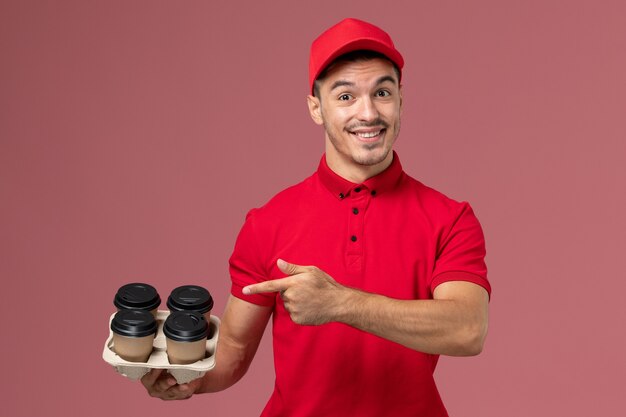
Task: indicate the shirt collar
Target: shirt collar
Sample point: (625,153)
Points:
(376,185)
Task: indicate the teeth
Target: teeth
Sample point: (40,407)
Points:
(367,135)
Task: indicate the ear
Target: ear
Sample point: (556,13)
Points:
(315,109)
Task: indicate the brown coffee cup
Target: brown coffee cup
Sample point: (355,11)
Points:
(185,337)
(133,334)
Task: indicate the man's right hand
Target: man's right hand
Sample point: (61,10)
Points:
(160,384)
(241,329)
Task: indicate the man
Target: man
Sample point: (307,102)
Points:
(368,275)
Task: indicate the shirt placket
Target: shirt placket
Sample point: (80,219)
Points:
(358,201)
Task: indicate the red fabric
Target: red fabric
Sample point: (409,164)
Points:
(347,36)
(409,239)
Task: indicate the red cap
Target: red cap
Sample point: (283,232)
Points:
(347,36)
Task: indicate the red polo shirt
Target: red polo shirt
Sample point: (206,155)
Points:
(390,235)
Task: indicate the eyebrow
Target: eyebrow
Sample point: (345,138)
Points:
(341,83)
(345,83)
(386,78)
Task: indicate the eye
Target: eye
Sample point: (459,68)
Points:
(383,93)
(344,97)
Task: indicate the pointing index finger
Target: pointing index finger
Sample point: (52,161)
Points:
(274,285)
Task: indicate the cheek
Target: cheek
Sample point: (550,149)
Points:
(393,116)
(336,119)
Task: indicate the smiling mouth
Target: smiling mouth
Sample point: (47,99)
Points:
(368,136)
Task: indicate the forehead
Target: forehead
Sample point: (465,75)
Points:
(360,72)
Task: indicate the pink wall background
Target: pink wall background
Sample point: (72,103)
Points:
(135,135)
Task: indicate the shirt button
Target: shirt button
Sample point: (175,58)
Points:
(357,190)
(353,238)
(373,193)
(341,196)
(355,210)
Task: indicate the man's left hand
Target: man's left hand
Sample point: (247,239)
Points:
(310,295)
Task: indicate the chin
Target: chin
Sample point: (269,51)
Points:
(371,158)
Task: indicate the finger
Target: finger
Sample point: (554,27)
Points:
(172,394)
(177,393)
(165,382)
(274,285)
(189,388)
(150,378)
(291,269)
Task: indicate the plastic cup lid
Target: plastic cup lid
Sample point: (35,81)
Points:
(134,323)
(190,298)
(185,326)
(137,296)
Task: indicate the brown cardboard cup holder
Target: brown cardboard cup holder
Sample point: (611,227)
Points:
(158,358)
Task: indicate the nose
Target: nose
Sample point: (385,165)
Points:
(367,110)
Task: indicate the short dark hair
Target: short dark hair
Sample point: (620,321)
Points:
(354,56)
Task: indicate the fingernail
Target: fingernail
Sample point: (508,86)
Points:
(246,291)
(281,263)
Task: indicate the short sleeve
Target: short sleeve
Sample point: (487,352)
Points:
(247,266)
(461,251)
